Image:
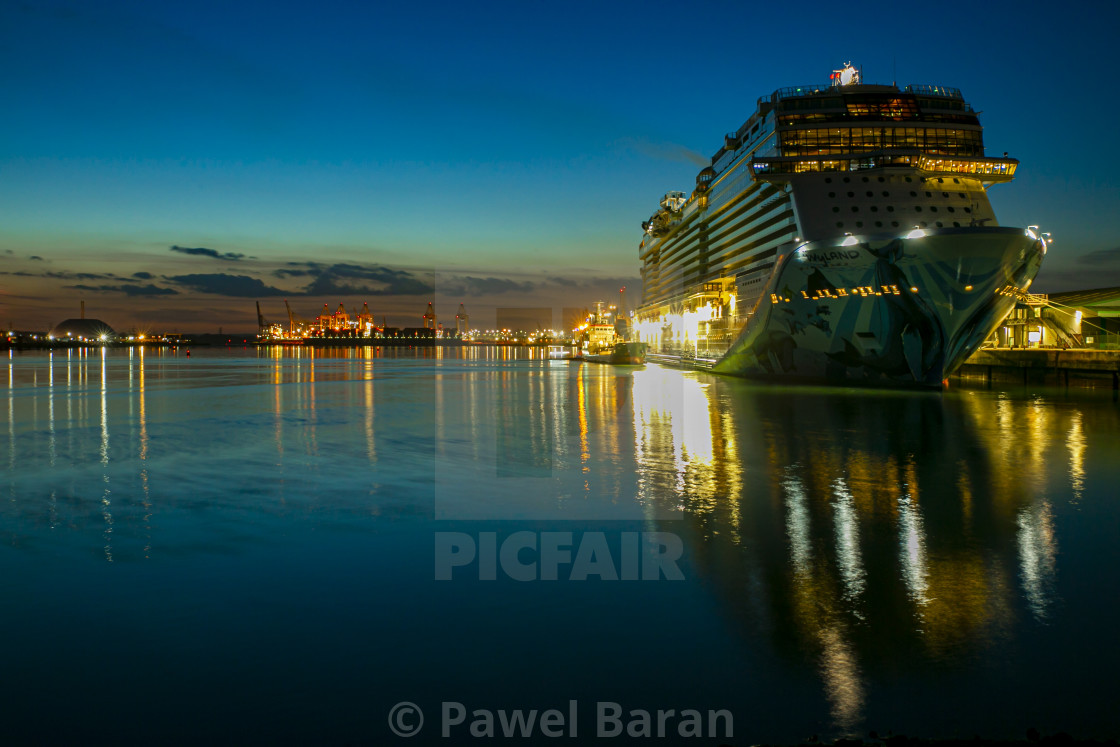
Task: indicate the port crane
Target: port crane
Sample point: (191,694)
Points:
(291,316)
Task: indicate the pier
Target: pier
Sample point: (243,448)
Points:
(1044,366)
(1048,366)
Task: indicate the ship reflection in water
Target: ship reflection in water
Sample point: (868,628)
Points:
(864,533)
(863,553)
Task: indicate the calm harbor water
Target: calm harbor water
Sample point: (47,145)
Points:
(242,546)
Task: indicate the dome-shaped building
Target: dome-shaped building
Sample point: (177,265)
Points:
(93,330)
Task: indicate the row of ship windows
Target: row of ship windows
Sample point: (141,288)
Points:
(847,179)
(832,139)
(894,223)
(917,209)
(861,135)
(962,195)
(791,119)
(960,151)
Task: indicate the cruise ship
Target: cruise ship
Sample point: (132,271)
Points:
(842,234)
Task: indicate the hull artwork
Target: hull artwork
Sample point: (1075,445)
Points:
(892,311)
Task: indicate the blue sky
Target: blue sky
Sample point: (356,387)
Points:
(500,154)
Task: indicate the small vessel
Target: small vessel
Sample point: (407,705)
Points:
(626,353)
(604,342)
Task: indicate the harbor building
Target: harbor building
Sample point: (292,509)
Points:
(83,329)
(1070,319)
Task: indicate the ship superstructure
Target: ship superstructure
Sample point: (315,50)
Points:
(842,233)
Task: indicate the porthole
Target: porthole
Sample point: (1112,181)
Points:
(940,180)
(874,209)
(933,208)
(828,180)
(957,181)
(866,179)
(951,209)
(831,194)
(968,210)
(886,193)
(909,179)
(859,224)
(839,224)
(913,194)
(890,208)
(881,179)
(944,194)
(917,208)
(835,209)
(847,179)
(957,223)
(929,194)
(870,193)
(924,224)
(961,194)
(878,224)
(940,224)
(851,194)
(894,223)
(855,208)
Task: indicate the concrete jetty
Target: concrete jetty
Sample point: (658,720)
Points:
(1044,365)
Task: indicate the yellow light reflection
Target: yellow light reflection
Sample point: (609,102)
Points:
(1075,441)
(1038,550)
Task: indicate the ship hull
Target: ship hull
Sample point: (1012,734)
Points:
(622,354)
(884,311)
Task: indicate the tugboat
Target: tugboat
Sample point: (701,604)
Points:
(604,341)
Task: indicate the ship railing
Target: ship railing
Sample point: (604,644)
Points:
(941,91)
(817,89)
(987,169)
(813,89)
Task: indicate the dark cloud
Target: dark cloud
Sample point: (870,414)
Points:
(223,284)
(81,276)
(300,270)
(398,283)
(65,275)
(128,290)
(472,286)
(143,275)
(349,279)
(201,251)
(1101,256)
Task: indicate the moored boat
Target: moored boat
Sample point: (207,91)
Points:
(603,342)
(843,234)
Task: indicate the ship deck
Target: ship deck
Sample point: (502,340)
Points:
(682,361)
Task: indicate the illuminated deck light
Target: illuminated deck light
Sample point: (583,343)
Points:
(913,289)
(849,241)
(917,233)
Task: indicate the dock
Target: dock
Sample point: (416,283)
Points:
(1044,366)
(1047,366)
